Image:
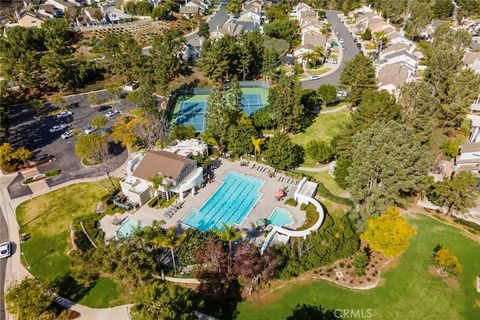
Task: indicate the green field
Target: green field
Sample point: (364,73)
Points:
(408,291)
(47,219)
(327,180)
(104,294)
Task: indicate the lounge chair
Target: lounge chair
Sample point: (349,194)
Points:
(253,166)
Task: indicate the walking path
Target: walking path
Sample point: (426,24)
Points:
(315,169)
(16,272)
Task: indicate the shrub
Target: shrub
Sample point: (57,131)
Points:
(360,263)
(471,226)
(153,203)
(303,206)
(291,202)
(312,217)
(446,260)
(53,172)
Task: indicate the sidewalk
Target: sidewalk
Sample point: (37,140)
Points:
(16,272)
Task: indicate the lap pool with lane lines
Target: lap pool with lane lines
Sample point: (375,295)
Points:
(229,204)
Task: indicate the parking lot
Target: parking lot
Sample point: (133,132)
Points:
(34,133)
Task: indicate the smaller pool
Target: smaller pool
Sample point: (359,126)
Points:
(280,217)
(127,228)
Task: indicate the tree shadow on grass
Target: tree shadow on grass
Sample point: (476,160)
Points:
(310,312)
(68,288)
(221,303)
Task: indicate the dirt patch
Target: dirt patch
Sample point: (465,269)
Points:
(433,271)
(450,281)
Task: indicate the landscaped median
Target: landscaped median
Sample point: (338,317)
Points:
(38,177)
(47,220)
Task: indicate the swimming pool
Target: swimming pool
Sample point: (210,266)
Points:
(127,228)
(280,217)
(229,204)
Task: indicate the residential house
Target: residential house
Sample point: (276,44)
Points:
(89,17)
(469,157)
(63,5)
(27,20)
(194,8)
(251,16)
(50,11)
(402,57)
(391,77)
(114,15)
(302,10)
(253,5)
(193,46)
(429,30)
(180,175)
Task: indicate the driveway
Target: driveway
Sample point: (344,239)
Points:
(348,54)
(34,134)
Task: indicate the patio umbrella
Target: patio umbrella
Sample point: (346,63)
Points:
(261,222)
(280,193)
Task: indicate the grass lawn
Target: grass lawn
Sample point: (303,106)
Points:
(105,293)
(408,290)
(324,128)
(327,180)
(47,218)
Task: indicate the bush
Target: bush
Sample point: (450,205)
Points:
(471,226)
(153,203)
(303,206)
(53,172)
(360,263)
(320,151)
(446,260)
(291,202)
(312,217)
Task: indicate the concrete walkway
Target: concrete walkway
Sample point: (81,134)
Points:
(315,169)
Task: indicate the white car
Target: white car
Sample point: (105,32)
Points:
(58,127)
(5,250)
(341,40)
(112,113)
(315,77)
(341,94)
(89,130)
(67,134)
(64,114)
(332,61)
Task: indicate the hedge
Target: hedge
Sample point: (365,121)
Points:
(53,172)
(471,226)
(291,202)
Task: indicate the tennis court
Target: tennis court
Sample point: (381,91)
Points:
(192,111)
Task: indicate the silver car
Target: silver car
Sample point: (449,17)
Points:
(5,250)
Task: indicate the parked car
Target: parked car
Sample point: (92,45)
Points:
(341,40)
(58,127)
(332,61)
(67,134)
(105,131)
(89,130)
(103,108)
(112,113)
(64,114)
(314,77)
(5,250)
(341,94)
(359,45)
(344,48)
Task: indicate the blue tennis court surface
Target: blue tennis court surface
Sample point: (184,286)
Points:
(193,113)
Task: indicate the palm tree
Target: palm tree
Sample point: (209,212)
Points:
(156,181)
(308,57)
(257,142)
(380,40)
(171,241)
(319,53)
(229,234)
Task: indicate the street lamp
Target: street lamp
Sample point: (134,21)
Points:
(23,255)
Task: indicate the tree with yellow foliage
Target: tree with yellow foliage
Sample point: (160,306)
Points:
(388,233)
(446,260)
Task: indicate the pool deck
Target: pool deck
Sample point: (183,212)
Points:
(263,208)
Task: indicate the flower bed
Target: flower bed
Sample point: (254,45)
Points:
(38,177)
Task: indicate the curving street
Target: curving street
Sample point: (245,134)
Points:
(348,54)
(3,263)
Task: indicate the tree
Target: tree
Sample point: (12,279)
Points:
(262,119)
(220,59)
(283,29)
(93,99)
(37,105)
(446,260)
(30,299)
(257,144)
(252,51)
(239,138)
(443,9)
(328,93)
(156,181)
(340,172)
(6,154)
(421,14)
(204,30)
(22,154)
(320,151)
(269,64)
(284,101)
(229,235)
(58,34)
(11,156)
(360,263)
(419,109)
(115,90)
(180,132)
(380,40)
(367,35)
(450,148)
(171,241)
(281,153)
(99,122)
(357,77)
(164,300)
(389,233)
(217,121)
(234,7)
(93,147)
(457,193)
(387,165)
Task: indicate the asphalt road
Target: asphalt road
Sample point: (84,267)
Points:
(348,54)
(33,133)
(3,263)
(220,17)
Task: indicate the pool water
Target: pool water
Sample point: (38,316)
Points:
(127,228)
(280,217)
(229,204)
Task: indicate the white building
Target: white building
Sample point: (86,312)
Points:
(180,174)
